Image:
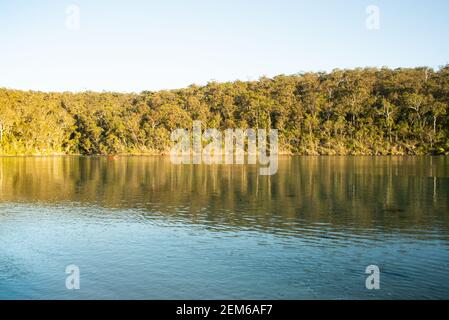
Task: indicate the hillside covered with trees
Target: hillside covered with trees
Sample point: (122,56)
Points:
(359,112)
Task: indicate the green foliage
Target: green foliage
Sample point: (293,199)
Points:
(363,111)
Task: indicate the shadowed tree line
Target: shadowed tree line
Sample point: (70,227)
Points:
(360,112)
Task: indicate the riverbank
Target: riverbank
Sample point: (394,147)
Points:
(345,112)
(167,154)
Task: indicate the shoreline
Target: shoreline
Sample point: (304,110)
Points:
(168,155)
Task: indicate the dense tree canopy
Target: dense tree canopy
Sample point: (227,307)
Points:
(363,111)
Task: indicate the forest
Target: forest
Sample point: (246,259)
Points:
(365,111)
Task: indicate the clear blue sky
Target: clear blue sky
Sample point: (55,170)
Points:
(138,45)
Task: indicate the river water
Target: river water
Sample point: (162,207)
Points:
(144,228)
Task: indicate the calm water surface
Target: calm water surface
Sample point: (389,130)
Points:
(140,227)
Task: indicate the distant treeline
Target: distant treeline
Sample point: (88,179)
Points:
(359,112)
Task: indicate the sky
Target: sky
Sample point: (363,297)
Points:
(136,45)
